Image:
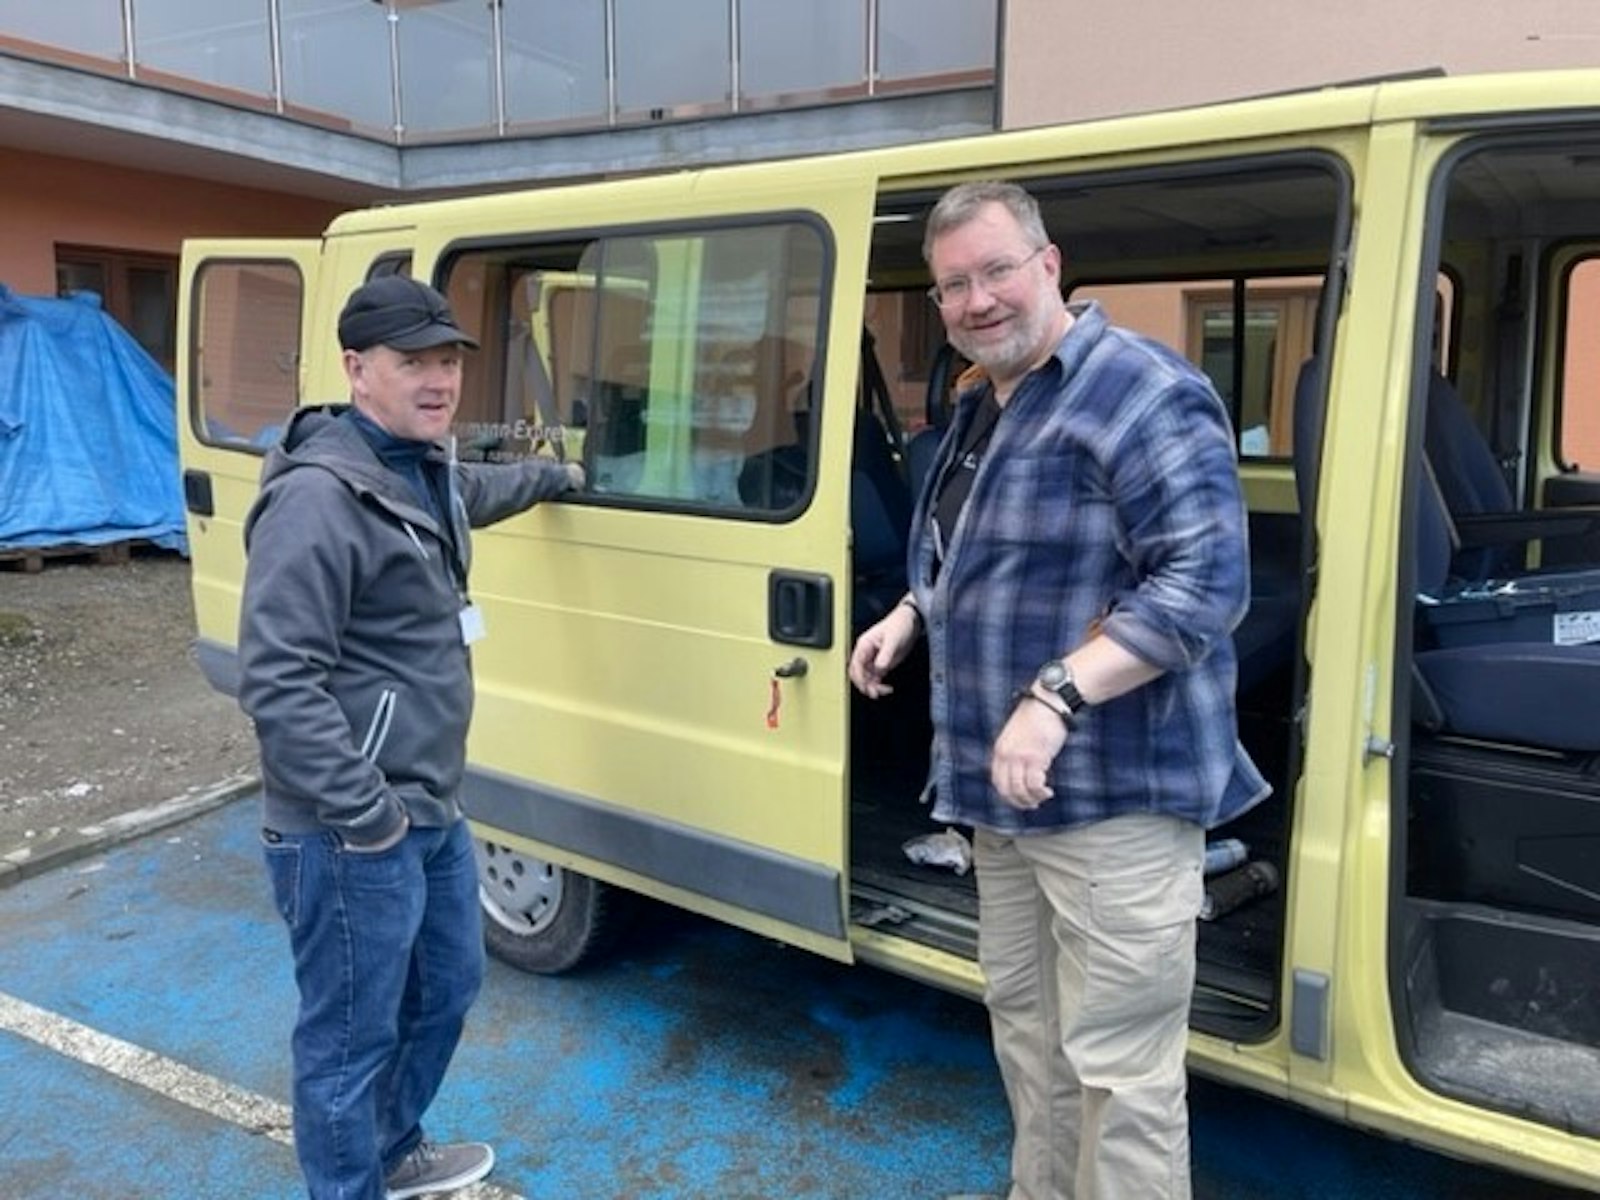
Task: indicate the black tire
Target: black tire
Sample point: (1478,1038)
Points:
(539,917)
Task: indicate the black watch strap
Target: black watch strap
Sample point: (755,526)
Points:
(1068,718)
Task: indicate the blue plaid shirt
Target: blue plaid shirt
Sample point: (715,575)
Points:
(1109,496)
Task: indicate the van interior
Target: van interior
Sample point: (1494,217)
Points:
(1225,263)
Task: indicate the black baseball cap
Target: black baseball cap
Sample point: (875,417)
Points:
(401,313)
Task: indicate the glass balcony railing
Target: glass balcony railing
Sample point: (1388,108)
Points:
(417,71)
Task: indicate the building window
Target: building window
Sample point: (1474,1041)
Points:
(138,291)
(1254,368)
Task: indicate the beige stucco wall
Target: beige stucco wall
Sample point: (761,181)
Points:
(1068,60)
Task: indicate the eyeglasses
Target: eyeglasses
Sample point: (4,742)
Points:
(957,290)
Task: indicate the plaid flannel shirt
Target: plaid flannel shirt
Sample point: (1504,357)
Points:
(1109,498)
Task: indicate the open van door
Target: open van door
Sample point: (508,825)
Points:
(243,311)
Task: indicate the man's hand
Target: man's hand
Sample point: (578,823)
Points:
(881,649)
(575,476)
(1028,743)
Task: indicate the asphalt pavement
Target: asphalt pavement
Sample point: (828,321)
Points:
(146,1001)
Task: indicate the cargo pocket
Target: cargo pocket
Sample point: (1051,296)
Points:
(1141,936)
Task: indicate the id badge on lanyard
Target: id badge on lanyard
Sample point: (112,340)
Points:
(473,628)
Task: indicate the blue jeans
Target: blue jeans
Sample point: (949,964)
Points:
(388,956)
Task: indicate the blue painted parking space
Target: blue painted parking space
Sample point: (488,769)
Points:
(698,1062)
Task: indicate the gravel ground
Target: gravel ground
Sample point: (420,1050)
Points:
(102,709)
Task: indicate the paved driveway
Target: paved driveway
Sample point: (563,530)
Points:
(146,1000)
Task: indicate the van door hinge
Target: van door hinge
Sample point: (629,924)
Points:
(1376,747)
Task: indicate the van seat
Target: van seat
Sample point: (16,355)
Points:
(922,451)
(1526,693)
(880,522)
(1474,492)
(1503,687)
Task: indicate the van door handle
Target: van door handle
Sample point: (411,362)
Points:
(197,493)
(800,609)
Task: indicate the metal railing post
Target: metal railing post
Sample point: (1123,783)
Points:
(275,40)
(611,62)
(873,65)
(396,93)
(129,42)
(735,81)
(496,10)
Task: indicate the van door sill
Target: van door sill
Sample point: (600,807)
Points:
(916,921)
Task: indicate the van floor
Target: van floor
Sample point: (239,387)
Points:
(932,905)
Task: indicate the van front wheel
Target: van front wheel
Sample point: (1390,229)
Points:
(539,917)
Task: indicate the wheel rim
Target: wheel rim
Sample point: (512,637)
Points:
(521,894)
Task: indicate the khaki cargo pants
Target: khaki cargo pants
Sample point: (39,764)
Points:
(1087,944)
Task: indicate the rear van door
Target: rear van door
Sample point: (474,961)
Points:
(242,316)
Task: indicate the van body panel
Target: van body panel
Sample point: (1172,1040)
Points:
(642,718)
(736,875)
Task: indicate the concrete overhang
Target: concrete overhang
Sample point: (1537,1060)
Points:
(80,114)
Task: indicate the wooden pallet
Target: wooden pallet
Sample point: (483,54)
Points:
(31,559)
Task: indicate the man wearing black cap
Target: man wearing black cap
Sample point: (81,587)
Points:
(355,668)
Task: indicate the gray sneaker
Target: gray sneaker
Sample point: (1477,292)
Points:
(434,1168)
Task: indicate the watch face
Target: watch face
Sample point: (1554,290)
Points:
(1054,675)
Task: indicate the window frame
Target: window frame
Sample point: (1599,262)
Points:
(530,246)
(199,389)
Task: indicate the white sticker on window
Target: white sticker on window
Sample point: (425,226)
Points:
(1576,628)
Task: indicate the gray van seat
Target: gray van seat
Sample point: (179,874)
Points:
(1264,640)
(1527,693)
(1504,687)
(1492,533)
(880,523)
(922,452)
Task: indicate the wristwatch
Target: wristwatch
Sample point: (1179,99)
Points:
(1055,676)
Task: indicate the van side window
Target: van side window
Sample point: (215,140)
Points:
(677,366)
(246,348)
(1578,445)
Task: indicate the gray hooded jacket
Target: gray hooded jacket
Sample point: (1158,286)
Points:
(352,661)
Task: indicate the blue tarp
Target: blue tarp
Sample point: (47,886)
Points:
(88,430)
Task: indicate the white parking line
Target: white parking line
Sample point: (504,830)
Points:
(166,1077)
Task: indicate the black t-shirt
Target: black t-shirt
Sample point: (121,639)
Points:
(955,485)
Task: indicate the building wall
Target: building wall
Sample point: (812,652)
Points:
(50,201)
(1068,61)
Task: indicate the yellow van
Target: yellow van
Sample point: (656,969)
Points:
(1396,289)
